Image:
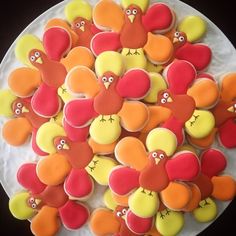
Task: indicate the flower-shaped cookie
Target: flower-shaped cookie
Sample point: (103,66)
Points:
(130,20)
(46,206)
(105,98)
(71,163)
(153,173)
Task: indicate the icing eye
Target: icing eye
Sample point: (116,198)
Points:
(165,95)
(176,34)
(77,25)
(33,205)
(82,23)
(235,106)
(104,79)
(63,142)
(181,39)
(161,156)
(154,154)
(110,79)
(37,54)
(128,12)
(134,11)
(124,211)
(18,111)
(32,58)
(59,147)
(119,214)
(31,200)
(19,105)
(163,100)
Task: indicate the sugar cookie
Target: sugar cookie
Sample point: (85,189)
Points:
(6,99)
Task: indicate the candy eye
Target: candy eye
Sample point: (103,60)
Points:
(37,54)
(165,95)
(32,58)
(135,11)
(176,34)
(235,106)
(82,23)
(17,111)
(128,12)
(161,156)
(19,105)
(104,79)
(154,154)
(124,211)
(119,214)
(110,79)
(181,39)
(163,100)
(31,200)
(77,25)
(59,147)
(33,205)
(63,142)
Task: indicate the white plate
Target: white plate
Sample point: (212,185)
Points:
(224,57)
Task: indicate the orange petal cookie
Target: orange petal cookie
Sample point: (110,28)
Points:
(17,131)
(24,81)
(205,93)
(139,118)
(228,87)
(195,198)
(46,222)
(82,81)
(120,200)
(53,169)
(78,56)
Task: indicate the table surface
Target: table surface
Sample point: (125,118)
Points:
(16,15)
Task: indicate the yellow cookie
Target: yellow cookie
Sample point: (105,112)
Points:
(144,203)
(109,61)
(157,84)
(105,131)
(134,60)
(63,93)
(46,134)
(200,124)
(78,8)
(161,139)
(207,211)
(58,119)
(153,67)
(100,167)
(142,4)
(24,45)
(194,27)
(19,208)
(6,100)
(108,200)
(169,222)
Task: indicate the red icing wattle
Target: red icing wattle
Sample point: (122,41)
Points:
(158,17)
(137,224)
(78,184)
(73,215)
(118,180)
(79,113)
(105,41)
(135,84)
(76,134)
(213,162)
(57,43)
(27,177)
(197,54)
(183,166)
(46,101)
(180,75)
(35,147)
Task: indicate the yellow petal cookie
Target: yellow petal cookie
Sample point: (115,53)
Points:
(6,100)
(142,4)
(108,200)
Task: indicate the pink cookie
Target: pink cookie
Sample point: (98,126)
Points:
(179,76)
(57,43)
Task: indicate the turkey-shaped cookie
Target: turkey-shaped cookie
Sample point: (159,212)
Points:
(46,206)
(197,54)
(25,121)
(79,15)
(70,162)
(105,98)
(153,173)
(129,20)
